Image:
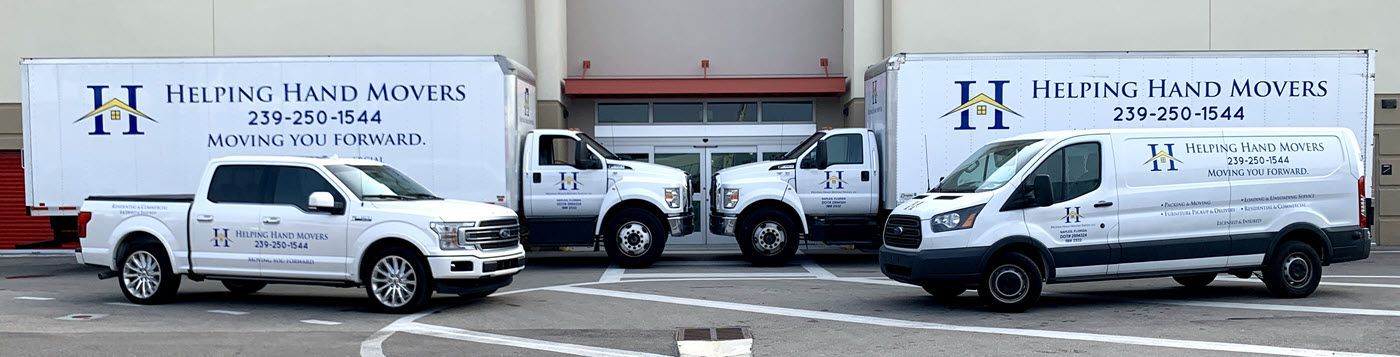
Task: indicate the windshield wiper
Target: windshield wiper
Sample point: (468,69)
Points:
(427,196)
(397,197)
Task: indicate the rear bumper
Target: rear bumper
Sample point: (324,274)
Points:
(958,266)
(681,224)
(1349,245)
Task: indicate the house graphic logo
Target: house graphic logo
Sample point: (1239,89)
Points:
(979,104)
(1072,215)
(1162,160)
(220,236)
(113,110)
(835,178)
(568,181)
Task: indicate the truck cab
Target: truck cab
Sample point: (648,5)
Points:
(824,190)
(573,184)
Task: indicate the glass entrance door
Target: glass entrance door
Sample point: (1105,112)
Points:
(701,163)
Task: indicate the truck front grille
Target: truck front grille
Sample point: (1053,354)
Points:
(494,234)
(903,231)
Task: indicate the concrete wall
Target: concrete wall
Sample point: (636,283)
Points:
(670,37)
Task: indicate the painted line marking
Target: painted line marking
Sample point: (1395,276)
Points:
(33,298)
(321,322)
(229,312)
(612,275)
(700,263)
(816,269)
(1386,251)
(716,275)
(1327,283)
(888,322)
(1362,276)
(374,345)
(127,304)
(513,341)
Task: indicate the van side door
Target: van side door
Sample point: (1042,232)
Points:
(300,242)
(1080,226)
(565,180)
(836,178)
(1175,204)
(226,218)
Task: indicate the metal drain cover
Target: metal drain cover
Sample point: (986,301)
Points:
(80,317)
(714,342)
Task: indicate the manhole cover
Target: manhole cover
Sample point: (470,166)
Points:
(714,342)
(80,317)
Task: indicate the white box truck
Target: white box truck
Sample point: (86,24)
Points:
(925,112)
(463,126)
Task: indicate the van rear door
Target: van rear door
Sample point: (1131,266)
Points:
(1081,225)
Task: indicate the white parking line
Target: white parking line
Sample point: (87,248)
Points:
(715,275)
(1362,276)
(127,304)
(880,321)
(612,275)
(700,263)
(521,342)
(34,298)
(321,322)
(228,312)
(1232,279)
(817,270)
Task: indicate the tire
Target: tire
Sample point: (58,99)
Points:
(1293,271)
(145,276)
(634,238)
(478,295)
(243,287)
(1012,283)
(767,237)
(397,280)
(944,292)
(1195,281)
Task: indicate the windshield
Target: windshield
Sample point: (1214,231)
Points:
(797,151)
(588,140)
(380,183)
(990,167)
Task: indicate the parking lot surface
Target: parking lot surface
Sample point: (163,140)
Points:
(825,304)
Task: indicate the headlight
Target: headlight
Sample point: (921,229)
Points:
(447,233)
(731,197)
(673,197)
(955,220)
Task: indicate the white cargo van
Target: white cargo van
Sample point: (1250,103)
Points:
(923,112)
(1066,206)
(464,126)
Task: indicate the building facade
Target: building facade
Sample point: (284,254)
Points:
(699,85)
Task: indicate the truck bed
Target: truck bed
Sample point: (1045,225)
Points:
(145,198)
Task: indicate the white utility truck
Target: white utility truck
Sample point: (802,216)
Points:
(323,221)
(464,126)
(924,112)
(1104,204)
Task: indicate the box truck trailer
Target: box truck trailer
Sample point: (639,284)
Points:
(925,112)
(463,126)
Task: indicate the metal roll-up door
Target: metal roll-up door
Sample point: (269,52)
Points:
(16,226)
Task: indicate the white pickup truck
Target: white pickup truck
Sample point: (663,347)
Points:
(322,221)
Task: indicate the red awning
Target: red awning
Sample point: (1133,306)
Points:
(705,87)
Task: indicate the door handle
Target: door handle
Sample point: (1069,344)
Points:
(272,220)
(1102,204)
(536,177)
(204,218)
(865,175)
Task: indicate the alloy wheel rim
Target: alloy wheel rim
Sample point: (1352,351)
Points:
(394,281)
(1297,270)
(634,238)
(141,274)
(1008,283)
(769,237)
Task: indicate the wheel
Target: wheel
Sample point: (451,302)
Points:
(398,280)
(146,276)
(944,292)
(767,237)
(243,287)
(1012,284)
(1195,281)
(478,295)
(1294,270)
(635,238)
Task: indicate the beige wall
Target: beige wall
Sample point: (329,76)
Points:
(670,37)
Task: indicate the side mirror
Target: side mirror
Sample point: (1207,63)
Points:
(809,161)
(1044,193)
(322,201)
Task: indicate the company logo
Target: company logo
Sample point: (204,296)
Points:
(113,110)
(979,104)
(220,236)
(894,231)
(568,181)
(1072,215)
(509,233)
(834,178)
(1162,158)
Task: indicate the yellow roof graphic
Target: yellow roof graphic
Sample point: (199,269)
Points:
(1162,155)
(114,103)
(981,98)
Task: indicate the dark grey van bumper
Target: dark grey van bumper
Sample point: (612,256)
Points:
(941,266)
(1349,244)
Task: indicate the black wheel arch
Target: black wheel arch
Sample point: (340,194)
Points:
(1304,232)
(1039,253)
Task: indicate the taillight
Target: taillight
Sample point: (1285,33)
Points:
(83,218)
(1361,202)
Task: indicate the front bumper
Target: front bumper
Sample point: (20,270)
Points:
(473,267)
(722,224)
(938,266)
(681,224)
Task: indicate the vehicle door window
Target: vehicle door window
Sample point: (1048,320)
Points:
(558,150)
(1074,171)
(239,184)
(294,185)
(842,150)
